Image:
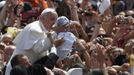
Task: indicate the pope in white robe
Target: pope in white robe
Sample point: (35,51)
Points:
(32,41)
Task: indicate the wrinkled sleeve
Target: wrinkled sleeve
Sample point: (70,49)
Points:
(41,42)
(39,46)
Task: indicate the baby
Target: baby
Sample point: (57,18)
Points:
(69,38)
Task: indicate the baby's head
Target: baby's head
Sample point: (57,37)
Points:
(61,24)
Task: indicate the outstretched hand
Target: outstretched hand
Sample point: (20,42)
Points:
(70,2)
(100,53)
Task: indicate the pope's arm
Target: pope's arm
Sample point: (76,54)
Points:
(41,41)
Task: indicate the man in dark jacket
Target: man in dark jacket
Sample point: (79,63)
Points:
(21,63)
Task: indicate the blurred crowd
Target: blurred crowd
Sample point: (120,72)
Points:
(98,37)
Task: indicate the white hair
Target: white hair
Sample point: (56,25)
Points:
(48,10)
(6,35)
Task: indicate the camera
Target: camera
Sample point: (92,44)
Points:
(100,39)
(125,21)
(85,12)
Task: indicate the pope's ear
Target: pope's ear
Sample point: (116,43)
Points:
(40,17)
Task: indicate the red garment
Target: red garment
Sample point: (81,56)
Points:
(35,3)
(29,14)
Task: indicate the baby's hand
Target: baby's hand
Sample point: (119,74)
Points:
(58,42)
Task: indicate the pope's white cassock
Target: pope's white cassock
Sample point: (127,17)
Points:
(31,41)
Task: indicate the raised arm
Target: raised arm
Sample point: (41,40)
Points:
(73,9)
(4,11)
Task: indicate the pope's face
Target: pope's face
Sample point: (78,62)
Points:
(49,20)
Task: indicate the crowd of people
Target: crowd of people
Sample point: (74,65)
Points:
(66,37)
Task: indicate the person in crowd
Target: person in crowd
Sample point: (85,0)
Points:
(119,6)
(69,38)
(43,66)
(19,70)
(2,48)
(7,39)
(62,28)
(37,3)
(8,53)
(33,69)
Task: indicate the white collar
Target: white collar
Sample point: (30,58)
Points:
(42,27)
